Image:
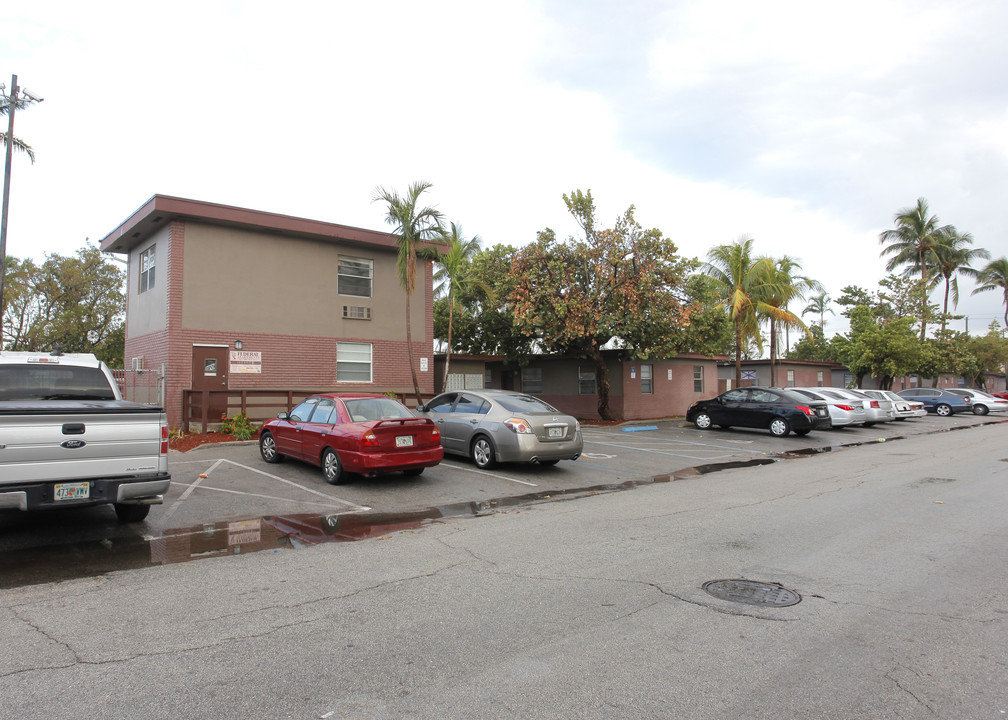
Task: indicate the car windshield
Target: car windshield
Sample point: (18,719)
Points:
(524,403)
(363,409)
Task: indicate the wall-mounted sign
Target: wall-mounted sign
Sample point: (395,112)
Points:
(423,364)
(245,361)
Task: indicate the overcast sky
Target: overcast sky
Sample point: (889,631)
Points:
(805,125)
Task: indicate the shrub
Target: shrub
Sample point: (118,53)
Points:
(239,426)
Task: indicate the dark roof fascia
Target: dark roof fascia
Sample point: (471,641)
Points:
(160,210)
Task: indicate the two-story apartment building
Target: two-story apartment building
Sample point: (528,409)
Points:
(227,298)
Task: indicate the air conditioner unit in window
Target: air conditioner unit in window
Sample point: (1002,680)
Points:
(138,363)
(357,312)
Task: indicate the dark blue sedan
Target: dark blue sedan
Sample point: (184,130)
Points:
(936,400)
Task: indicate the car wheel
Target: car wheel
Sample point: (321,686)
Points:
(980,410)
(944,410)
(267,448)
(867,424)
(702,421)
(779,427)
(548,462)
(131,513)
(900,419)
(483,452)
(801,433)
(413,472)
(331,467)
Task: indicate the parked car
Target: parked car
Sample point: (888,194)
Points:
(1003,395)
(842,412)
(492,426)
(941,402)
(360,433)
(904,408)
(876,411)
(983,403)
(778,410)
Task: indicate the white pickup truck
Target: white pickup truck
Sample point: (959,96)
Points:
(68,439)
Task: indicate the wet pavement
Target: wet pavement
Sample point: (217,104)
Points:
(225,500)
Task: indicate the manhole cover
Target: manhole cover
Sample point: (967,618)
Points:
(752,592)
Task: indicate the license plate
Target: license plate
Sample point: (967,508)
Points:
(554,432)
(404,441)
(821,412)
(72,491)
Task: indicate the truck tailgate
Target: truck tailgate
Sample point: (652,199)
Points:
(118,441)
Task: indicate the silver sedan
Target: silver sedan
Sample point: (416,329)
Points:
(492,426)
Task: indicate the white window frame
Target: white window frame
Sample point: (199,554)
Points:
(351,354)
(146,279)
(647,379)
(340,275)
(698,378)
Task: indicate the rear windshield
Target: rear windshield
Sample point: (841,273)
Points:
(363,409)
(22,383)
(524,403)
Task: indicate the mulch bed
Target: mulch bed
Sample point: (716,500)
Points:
(194,440)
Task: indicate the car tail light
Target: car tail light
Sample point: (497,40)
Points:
(164,439)
(435,434)
(518,425)
(807,410)
(369,439)
(874,404)
(848,408)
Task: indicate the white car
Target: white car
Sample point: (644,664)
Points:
(876,410)
(904,407)
(842,411)
(983,403)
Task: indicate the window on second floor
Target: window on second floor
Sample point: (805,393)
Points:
(353,276)
(147,269)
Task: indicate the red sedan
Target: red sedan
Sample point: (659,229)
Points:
(352,432)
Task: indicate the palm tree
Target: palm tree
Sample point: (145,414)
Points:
(739,279)
(414,227)
(954,257)
(913,243)
(20,145)
(819,305)
(452,278)
(779,287)
(995,277)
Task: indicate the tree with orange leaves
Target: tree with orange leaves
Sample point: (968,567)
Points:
(620,287)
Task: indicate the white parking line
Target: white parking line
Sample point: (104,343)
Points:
(655,452)
(189,490)
(488,474)
(333,501)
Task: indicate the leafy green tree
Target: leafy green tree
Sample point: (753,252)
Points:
(452,275)
(740,279)
(415,226)
(991,353)
(994,276)
(74,302)
(882,350)
(955,256)
(913,243)
(709,331)
(623,284)
(814,347)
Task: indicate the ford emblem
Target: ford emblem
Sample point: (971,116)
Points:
(73,444)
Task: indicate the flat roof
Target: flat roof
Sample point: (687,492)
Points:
(162,209)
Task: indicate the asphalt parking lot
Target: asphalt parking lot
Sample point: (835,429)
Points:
(225,499)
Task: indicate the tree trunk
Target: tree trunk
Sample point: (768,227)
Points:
(409,348)
(451,312)
(773,353)
(738,352)
(602,385)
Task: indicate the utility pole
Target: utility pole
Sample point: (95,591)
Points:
(12,102)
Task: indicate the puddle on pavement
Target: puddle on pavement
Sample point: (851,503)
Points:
(276,533)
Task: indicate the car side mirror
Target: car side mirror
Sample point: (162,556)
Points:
(421,408)
(283,416)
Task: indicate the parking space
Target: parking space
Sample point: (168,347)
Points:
(223,481)
(226,499)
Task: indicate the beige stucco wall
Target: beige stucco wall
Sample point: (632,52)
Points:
(148,311)
(242,281)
